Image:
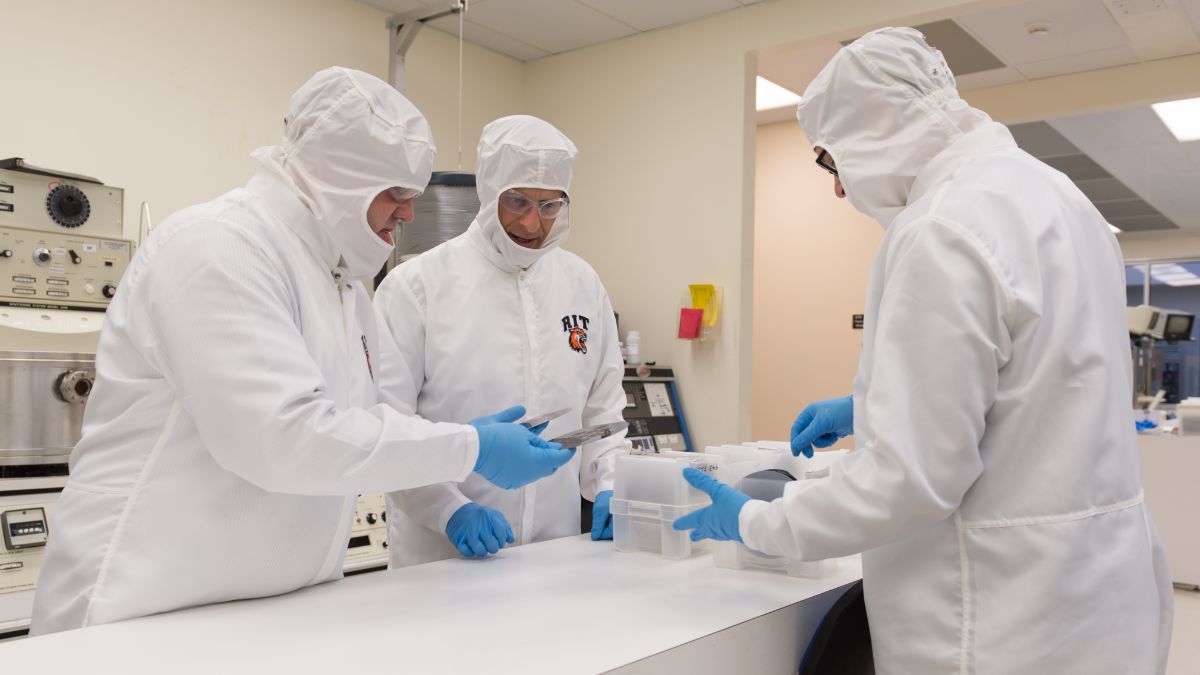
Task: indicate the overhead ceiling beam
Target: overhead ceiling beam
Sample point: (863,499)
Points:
(1091,91)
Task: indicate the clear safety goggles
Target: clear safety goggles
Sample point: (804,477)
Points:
(518,204)
(403,194)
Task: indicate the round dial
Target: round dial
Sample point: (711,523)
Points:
(68,206)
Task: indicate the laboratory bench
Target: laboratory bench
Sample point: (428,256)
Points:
(564,606)
(1170,470)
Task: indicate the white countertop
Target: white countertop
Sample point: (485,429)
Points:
(565,606)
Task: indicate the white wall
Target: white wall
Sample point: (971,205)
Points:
(166,98)
(812,256)
(663,193)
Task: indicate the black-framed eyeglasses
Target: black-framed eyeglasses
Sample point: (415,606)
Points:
(826,162)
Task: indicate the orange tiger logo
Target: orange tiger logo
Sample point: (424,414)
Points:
(578,340)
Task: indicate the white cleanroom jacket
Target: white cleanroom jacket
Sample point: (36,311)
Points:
(235,417)
(996,488)
(479,324)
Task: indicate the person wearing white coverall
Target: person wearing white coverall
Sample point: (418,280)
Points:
(501,315)
(235,416)
(995,489)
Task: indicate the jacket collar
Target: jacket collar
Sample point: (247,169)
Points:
(281,202)
(984,139)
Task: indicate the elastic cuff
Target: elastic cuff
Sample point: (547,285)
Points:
(453,504)
(746,522)
(472,454)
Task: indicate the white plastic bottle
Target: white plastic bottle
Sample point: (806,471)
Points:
(633,341)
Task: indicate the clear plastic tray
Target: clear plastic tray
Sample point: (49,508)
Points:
(646,526)
(737,556)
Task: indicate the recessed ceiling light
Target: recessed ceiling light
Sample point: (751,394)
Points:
(768,95)
(1181,117)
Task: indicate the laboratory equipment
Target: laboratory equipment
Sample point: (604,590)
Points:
(653,410)
(444,211)
(1156,366)
(589,434)
(367,549)
(62,254)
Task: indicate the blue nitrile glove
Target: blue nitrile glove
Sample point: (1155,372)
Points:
(822,424)
(602,516)
(718,520)
(477,531)
(511,456)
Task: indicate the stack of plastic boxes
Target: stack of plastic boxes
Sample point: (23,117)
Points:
(740,462)
(650,493)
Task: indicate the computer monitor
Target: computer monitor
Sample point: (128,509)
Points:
(1178,327)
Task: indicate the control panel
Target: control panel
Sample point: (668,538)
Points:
(40,200)
(368,546)
(25,521)
(24,528)
(60,270)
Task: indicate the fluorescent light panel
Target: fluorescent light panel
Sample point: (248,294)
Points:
(1181,117)
(1174,275)
(768,95)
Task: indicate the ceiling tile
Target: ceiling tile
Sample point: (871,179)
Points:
(1042,140)
(1174,193)
(1144,223)
(1155,30)
(1078,63)
(1075,27)
(486,37)
(1077,167)
(1105,190)
(988,78)
(1126,208)
(1192,148)
(644,15)
(1166,158)
(554,26)
(1191,9)
(963,52)
(1125,128)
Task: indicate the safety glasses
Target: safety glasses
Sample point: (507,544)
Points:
(826,162)
(402,194)
(518,204)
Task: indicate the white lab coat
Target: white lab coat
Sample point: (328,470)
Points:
(479,324)
(995,488)
(234,418)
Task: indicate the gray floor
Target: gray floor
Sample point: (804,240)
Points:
(1185,639)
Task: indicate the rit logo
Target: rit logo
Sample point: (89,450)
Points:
(576,327)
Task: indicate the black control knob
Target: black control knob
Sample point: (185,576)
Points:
(108,291)
(74,256)
(6,253)
(68,206)
(41,256)
(371,519)
(383,516)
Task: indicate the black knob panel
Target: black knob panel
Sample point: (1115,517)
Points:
(68,206)
(108,291)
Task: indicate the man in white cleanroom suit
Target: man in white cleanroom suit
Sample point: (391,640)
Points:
(995,490)
(235,414)
(502,313)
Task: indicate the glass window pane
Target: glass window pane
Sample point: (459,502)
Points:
(1135,280)
(1176,286)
